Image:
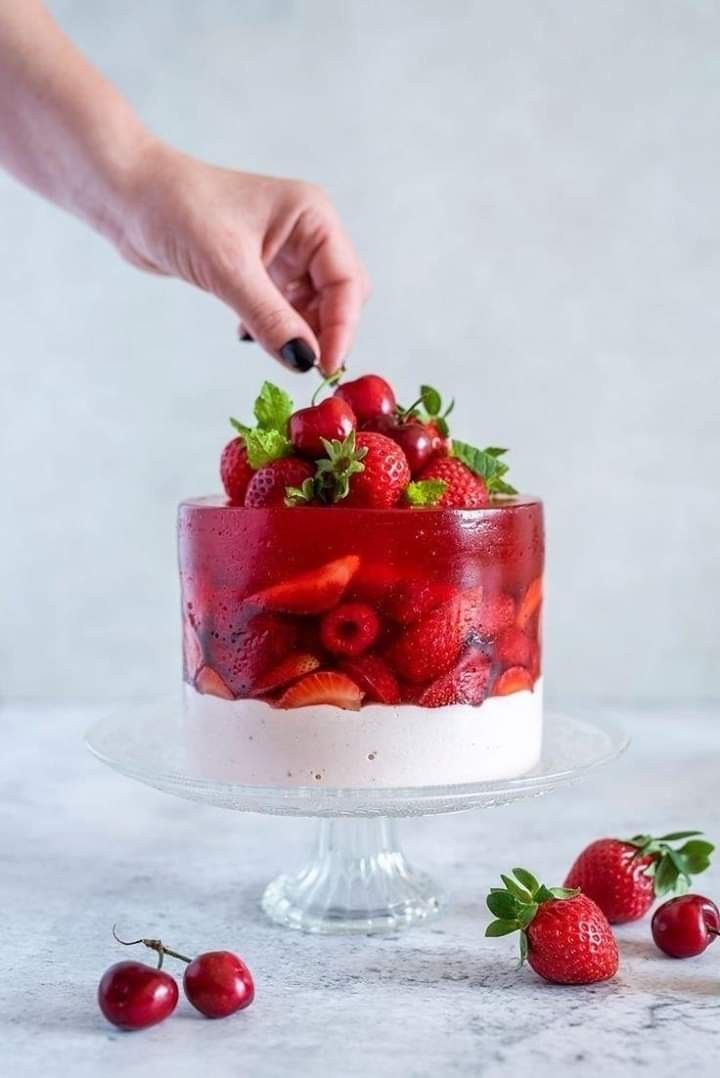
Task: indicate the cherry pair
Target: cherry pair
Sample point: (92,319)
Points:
(133,995)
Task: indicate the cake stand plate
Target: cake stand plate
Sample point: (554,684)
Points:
(357,878)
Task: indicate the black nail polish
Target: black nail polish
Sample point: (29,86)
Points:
(298,355)
(245,336)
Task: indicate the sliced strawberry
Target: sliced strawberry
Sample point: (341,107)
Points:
(514,648)
(374,583)
(497,614)
(312,592)
(515,679)
(374,677)
(209,682)
(467,683)
(242,648)
(324,687)
(290,669)
(192,652)
(417,597)
(530,602)
(431,646)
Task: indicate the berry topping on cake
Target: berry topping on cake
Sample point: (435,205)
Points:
(309,593)
(235,470)
(349,629)
(463,489)
(368,397)
(324,687)
(309,428)
(269,485)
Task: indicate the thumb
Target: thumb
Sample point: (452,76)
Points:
(272,321)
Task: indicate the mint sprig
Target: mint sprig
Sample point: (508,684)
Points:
(672,869)
(486,463)
(268,440)
(425,492)
(515,904)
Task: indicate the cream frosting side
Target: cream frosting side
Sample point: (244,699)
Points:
(249,742)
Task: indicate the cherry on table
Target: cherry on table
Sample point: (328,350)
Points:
(218,983)
(133,995)
(686,926)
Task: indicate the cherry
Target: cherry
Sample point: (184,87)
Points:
(416,442)
(369,396)
(132,995)
(685,926)
(218,983)
(332,419)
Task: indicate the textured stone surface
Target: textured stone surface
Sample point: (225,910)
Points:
(82,847)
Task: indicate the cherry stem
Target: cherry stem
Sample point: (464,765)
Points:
(154,945)
(327,381)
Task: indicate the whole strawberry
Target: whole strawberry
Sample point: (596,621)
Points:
(365,470)
(235,470)
(463,489)
(269,485)
(564,935)
(625,876)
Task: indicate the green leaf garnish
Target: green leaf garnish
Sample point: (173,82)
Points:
(273,408)
(485,463)
(425,492)
(264,446)
(431,400)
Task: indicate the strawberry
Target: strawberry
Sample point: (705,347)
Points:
(415,598)
(431,645)
(564,935)
(497,614)
(209,682)
(323,687)
(192,652)
(366,470)
(374,677)
(467,683)
(463,489)
(268,487)
(349,629)
(514,679)
(312,592)
(374,583)
(625,876)
(235,470)
(242,645)
(290,669)
(530,603)
(514,648)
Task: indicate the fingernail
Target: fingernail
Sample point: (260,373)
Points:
(245,336)
(298,355)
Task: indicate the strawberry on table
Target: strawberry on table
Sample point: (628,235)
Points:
(564,935)
(624,876)
(323,687)
(312,592)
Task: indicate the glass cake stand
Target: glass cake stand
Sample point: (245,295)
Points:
(357,878)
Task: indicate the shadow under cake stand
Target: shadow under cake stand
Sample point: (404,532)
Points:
(357,878)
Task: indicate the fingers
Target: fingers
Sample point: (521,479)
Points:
(271,320)
(342,287)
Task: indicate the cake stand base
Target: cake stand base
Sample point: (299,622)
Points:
(357,880)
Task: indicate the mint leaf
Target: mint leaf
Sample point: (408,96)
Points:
(485,463)
(273,408)
(493,451)
(264,446)
(498,486)
(425,492)
(431,400)
(674,836)
(238,426)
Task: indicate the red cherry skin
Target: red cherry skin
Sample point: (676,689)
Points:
(685,926)
(369,396)
(218,983)
(132,995)
(416,443)
(331,419)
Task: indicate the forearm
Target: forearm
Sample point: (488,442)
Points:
(64,130)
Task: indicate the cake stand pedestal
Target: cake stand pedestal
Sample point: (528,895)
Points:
(357,879)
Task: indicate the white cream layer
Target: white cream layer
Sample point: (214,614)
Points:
(249,742)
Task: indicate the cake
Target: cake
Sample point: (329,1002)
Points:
(363,608)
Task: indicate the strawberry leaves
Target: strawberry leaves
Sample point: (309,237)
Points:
(333,473)
(425,492)
(672,869)
(268,440)
(515,904)
(485,463)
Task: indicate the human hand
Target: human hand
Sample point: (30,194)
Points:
(274,250)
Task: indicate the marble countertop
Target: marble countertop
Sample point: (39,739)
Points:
(81,847)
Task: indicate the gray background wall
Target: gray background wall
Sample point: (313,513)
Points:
(534,188)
